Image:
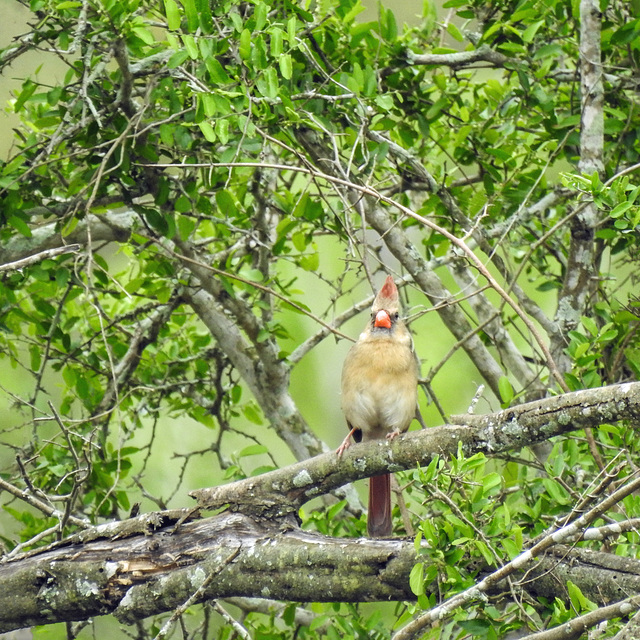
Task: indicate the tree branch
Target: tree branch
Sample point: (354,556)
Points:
(574,629)
(283,491)
(38,257)
(579,282)
(142,575)
(457,60)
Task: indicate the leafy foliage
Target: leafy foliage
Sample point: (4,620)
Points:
(232,172)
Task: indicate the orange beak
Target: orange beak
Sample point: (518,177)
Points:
(382,320)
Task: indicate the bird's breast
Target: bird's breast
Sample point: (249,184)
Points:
(379,387)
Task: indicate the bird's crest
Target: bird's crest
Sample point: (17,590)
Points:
(387,297)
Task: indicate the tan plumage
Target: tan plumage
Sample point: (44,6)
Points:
(379,391)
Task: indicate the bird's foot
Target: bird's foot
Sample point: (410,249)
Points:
(346,443)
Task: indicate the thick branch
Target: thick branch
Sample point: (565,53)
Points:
(283,491)
(579,281)
(143,575)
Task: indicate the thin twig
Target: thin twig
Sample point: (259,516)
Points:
(39,257)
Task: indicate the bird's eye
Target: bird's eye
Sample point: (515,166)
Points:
(396,315)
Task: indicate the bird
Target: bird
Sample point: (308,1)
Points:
(379,392)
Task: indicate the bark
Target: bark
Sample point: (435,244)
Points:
(138,575)
(603,577)
(460,59)
(114,227)
(579,282)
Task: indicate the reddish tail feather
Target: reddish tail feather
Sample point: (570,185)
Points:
(379,519)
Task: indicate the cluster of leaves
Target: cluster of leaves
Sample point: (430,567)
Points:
(478,517)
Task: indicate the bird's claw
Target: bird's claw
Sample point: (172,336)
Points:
(346,443)
(342,448)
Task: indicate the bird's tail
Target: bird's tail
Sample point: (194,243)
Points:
(379,520)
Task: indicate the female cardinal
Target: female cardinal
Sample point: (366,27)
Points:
(379,392)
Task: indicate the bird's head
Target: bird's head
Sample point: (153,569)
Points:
(386,306)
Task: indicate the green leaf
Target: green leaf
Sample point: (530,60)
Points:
(252,414)
(579,601)
(268,83)
(222,130)
(436,108)
(260,16)
(259,56)
(454,32)
(28,89)
(300,240)
(557,492)
(166,134)
(510,546)
(208,104)
(430,472)
(236,394)
(20,225)
(476,628)
(36,357)
(207,131)
(486,553)
(216,72)
(291,31)
(351,15)
(226,203)
(286,68)
(490,482)
(144,34)
(590,325)
(336,509)
(178,58)
(190,46)
(385,102)
(506,391)
(529,33)
(193,20)
(388,26)
(244,48)
(185,227)
(310,262)
(253,450)
(620,209)
(204,14)
(581,349)
(416,579)
(277,37)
